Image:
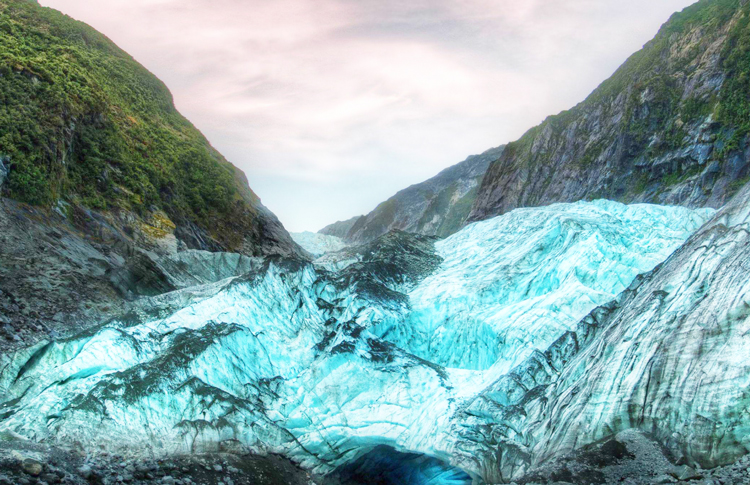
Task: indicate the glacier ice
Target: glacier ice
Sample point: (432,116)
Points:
(668,356)
(318,244)
(408,351)
(391,466)
(515,283)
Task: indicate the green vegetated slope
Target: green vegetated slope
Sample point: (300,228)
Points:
(81,121)
(670,126)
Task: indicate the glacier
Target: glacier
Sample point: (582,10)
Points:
(668,356)
(409,344)
(318,244)
(515,283)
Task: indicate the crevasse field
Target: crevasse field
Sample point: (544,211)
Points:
(335,370)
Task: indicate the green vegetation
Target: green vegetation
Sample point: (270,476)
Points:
(385,214)
(458,212)
(647,97)
(735,95)
(696,109)
(658,116)
(643,71)
(707,15)
(521,148)
(591,154)
(736,185)
(676,177)
(640,183)
(80,120)
(451,214)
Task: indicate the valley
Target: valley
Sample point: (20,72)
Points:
(570,307)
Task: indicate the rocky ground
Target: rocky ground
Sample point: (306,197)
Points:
(631,458)
(66,269)
(26,463)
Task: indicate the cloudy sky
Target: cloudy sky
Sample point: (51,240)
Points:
(332,106)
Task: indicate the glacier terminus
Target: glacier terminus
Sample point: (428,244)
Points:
(407,347)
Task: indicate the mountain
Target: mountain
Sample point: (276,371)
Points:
(389,358)
(107,191)
(436,207)
(82,123)
(670,126)
(571,342)
(340,228)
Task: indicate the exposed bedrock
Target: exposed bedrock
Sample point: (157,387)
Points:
(670,126)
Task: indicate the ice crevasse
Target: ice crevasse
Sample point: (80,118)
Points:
(326,366)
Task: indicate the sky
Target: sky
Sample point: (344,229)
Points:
(332,106)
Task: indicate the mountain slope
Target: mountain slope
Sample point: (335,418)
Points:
(83,123)
(670,126)
(107,193)
(437,207)
(340,228)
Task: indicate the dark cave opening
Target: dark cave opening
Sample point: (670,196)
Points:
(383,465)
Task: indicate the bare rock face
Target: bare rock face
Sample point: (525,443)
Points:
(3,170)
(436,207)
(339,228)
(70,268)
(669,127)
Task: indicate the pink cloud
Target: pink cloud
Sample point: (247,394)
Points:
(331,106)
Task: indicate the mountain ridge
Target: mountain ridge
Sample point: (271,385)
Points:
(107,194)
(84,124)
(670,126)
(436,207)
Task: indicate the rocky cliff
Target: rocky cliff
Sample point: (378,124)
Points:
(670,126)
(340,228)
(436,207)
